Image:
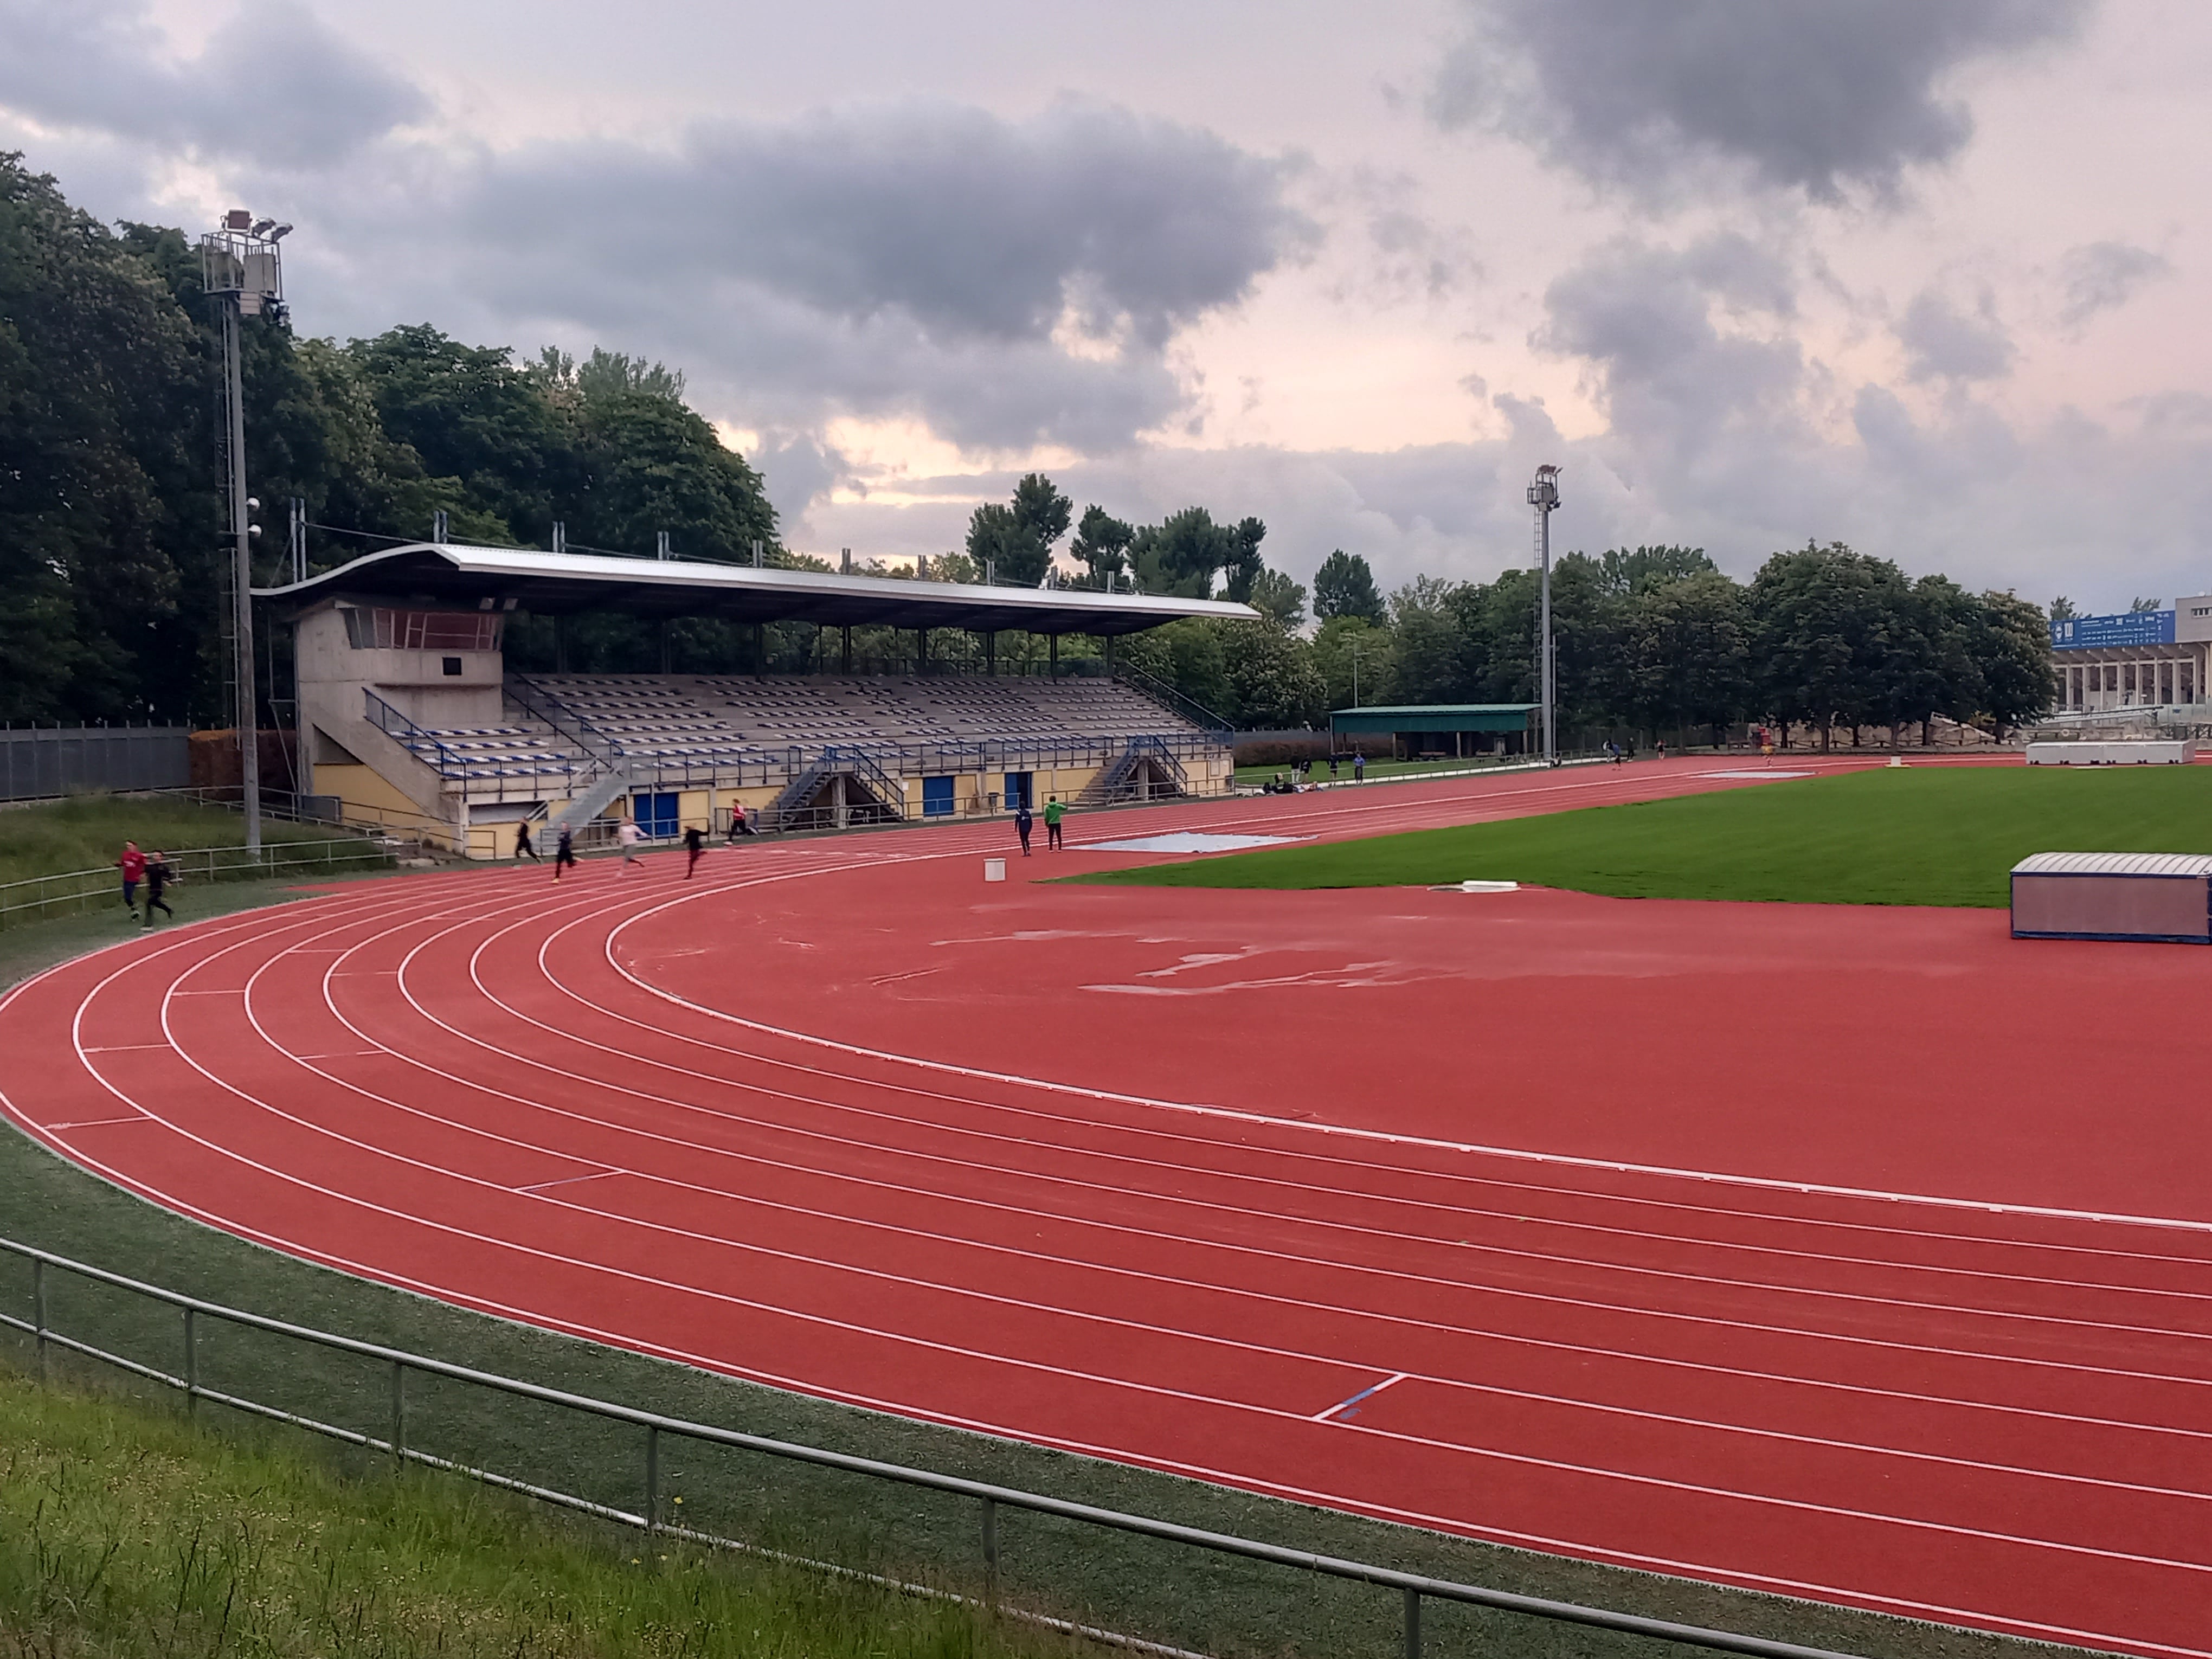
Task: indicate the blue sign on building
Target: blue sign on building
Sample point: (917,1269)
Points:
(2132,627)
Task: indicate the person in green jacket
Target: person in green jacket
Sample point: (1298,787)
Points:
(1053,812)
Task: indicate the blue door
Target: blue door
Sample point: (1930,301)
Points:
(1020,790)
(937,798)
(656,815)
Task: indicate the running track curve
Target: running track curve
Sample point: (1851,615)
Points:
(1269,1189)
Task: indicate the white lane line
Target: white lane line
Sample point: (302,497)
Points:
(101,1122)
(1366,1394)
(1237,1115)
(570,1181)
(123,1048)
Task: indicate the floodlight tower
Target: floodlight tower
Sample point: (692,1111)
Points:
(240,270)
(1544,497)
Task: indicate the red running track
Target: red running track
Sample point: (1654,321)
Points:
(1784,1246)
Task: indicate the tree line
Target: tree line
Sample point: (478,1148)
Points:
(113,542)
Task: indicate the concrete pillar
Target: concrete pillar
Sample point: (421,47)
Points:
(838,812)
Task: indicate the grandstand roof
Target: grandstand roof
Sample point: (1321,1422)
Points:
(487,578)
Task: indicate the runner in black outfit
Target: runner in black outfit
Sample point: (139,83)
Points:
(158,875)
(523,849)
(564,851)
(695,842)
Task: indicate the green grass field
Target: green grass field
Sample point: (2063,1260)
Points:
(124,1532)
(1926,835)
(86,832)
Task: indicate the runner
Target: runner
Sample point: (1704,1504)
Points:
(739,824)
(629,836)
(523,849)
(1054,812)
(133,865)
(695,842)
(158,876)
(1023,821)
(564,851)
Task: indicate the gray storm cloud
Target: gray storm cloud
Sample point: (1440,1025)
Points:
(1944,342)
(1807,94)
(272,84)
(1010,281)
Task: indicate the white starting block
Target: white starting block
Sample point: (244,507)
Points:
(2154,751)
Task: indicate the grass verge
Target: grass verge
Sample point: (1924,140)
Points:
(1212,1604)
(1934,834)
(124,1532)
(86,832)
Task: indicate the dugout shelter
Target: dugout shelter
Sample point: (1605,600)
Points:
(1441,728)
(411,718)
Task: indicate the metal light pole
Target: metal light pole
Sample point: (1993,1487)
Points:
(240,268)
(1544,497)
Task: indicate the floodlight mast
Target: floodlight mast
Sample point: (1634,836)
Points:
(240,270)
(1544,497)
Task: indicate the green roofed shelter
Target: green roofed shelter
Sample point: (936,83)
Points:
(1422,727)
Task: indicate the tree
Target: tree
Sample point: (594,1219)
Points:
(1180,555)
(1277,598)
(1344,586)
(2062,609)
(1015,541)
(1683,656)
(1355,660)
(1428,659)
(1272,681)
(1188,654)
(1826,645)
(2136,607)
(1101,544)
(1624,573)
(2013,656)
(1245,565)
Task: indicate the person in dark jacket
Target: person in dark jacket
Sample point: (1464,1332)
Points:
(159,876)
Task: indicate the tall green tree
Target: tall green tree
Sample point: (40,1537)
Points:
(1344,586)
(1101,544)
(1015,541)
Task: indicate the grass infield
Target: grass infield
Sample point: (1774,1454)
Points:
(1931,834)
(86,832)
(1214,1604)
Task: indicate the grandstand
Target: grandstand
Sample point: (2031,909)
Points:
(410,719)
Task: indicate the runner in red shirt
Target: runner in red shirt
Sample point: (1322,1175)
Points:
(133,865)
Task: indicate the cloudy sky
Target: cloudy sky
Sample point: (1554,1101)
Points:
(1929,279)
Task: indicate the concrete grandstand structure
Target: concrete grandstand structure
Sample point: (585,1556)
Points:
(411,720)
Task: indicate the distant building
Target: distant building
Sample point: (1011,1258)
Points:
(2139,659)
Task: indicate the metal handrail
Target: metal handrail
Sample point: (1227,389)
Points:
(1175,702)
(1414,1587)
(394,724)
(586,735)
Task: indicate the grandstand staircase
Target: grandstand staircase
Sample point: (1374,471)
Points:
(841,788)
(1145,770)
(610,778)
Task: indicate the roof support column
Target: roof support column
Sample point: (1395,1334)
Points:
(846,657)
(1052,646)
(990,651)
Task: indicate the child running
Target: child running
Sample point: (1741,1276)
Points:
(523,849)
(629,836)
(695,842)
(564,851)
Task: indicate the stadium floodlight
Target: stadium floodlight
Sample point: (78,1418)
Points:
(240,269)
(1544,497)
